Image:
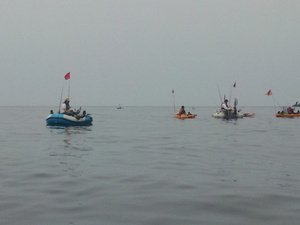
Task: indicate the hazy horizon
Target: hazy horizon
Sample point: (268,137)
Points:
(134,52)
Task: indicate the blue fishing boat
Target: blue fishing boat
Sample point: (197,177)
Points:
(59,119)
(69,117)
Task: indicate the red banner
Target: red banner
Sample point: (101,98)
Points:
(67,76)
(269,93)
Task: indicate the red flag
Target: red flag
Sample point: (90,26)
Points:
(234,85)
(67,76)
(269,93)
(172,91)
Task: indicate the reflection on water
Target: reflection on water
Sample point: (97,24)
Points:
(134,167)
(72,149)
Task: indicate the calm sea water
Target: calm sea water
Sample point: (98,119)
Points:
(139,165)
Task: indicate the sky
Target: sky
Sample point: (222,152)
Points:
(134,52)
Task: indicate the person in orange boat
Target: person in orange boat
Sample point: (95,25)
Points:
(290,110)
(181,111)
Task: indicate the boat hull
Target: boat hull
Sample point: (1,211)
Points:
(221,115)
(288,115)
(249,114)
(65,120)
(192,116)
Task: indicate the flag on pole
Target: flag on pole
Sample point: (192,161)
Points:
(234,85)
(269,93)
(67,76)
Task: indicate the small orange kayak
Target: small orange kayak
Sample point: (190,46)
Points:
(288,115)
(186,116)
(249,114)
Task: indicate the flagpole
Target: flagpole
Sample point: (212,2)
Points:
(69,88)
(67,77)
(173,100)
(230,93)
(269,93)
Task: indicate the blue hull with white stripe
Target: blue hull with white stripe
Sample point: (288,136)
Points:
(66,120)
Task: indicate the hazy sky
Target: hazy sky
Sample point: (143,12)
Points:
(134,52)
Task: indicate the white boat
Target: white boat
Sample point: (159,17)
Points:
(229,113)
(120,107)
(220,114)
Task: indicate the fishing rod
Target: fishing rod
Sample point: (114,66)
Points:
(67,77)
(274,100)
(69,88)
(219,94)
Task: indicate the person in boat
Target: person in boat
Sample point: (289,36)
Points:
(225,107)
(290,110)
(181,111)
(66,108)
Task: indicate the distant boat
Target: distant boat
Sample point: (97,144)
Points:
(280,114)
(231,113)
(249,114)
(227,112)
(183,115)
(186,116)
(74,118)
(288,112)
(120,107)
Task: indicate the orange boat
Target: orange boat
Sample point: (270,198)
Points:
(249,114)
(186,116)
(289,115)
